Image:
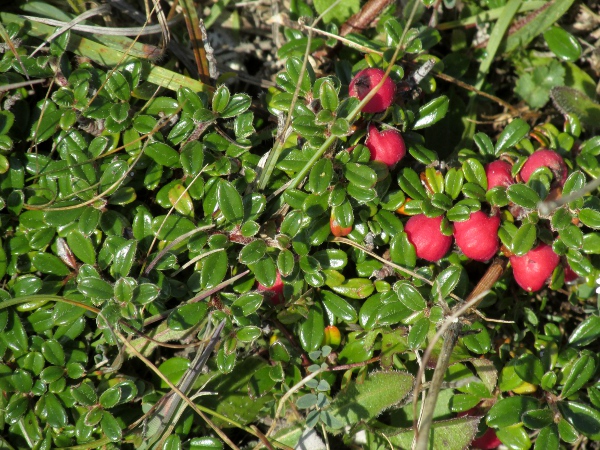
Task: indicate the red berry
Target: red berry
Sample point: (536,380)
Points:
(570,275)
(488,441)
(477,236)
(275,292)
(533,269)
(365,81)
(336,229)
(546,158)
(386,146)
(498,174)
(424,233)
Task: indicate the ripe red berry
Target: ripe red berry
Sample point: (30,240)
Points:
(570,275)
(365,81)
(386,146)
(275,292)
(336,229)
(546,158)
(498,174)
(424,233)
(488,440)
(477,236)
(533,269)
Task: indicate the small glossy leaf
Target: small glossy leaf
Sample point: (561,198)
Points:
(582,371)
(511,135)
(508,411)
(230,202)
(432,112)
(312,329)
(563,44)
(586,332)
(583,418)
(338,306)
(523,195)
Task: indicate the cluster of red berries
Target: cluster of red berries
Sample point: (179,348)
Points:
(476,237)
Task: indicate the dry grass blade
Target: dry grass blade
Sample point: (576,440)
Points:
(195,33)
(80,18)
(108,31)
(162,21)
(8,87)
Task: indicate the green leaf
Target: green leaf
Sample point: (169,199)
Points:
(431,112)
(538,418)
(445,282)
(480,342)
(339,13)
(474,172)
(124,259)
(523,195)
(583,418)
(450,434)
(410,296)
(230,202)
(328,95)
(355,288)
(590,217)
(220,99)
(53,352)
(187,316)
(162,154)
(95,288)
(338,307)
(110,427)
(418,333)
(511,135)
(57,416)
(547,439)
(238,104)
(563,44)
(529,368)
(363,402)
(514,436)
(320,176)
(508,411)
(48,263)
(454,181)
(582,371)
(312,329)
(571,101)
(360,175)
(524,239)
(534,87)
(252,252)
(586,332)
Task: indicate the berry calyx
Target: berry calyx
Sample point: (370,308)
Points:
(273,293)
(424,233)
(336,229)
(498,174)
(477,236)
(386,146)
(546,158)
(365,81)
(533,269)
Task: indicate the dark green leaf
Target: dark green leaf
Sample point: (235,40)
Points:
(511,135)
